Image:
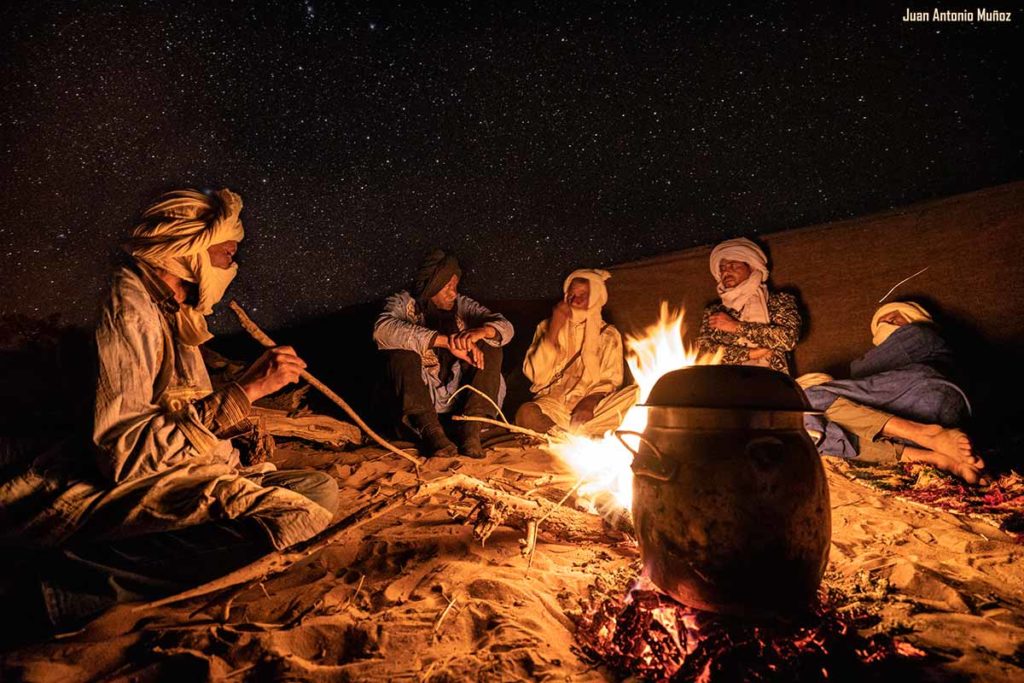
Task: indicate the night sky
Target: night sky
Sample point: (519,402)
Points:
(529,138)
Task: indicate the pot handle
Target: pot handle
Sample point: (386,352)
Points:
(639,468)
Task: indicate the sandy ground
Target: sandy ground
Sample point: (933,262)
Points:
(412,596)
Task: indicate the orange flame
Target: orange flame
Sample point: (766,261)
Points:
(603,465)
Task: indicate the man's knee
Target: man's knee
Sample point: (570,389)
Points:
(492,354)
(532,417)
(322,489)
(317,486)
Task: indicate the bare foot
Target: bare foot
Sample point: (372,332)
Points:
(969,473)
(948,441)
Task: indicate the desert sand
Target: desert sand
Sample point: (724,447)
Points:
(413,596)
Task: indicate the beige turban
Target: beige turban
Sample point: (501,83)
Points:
(174,236)
(591,350)
(914,313)
(749,297)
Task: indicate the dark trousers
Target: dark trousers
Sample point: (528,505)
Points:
(82,580)
(412,398)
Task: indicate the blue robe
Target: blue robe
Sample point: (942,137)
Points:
(908,375)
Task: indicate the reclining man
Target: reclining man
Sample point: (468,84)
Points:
(165,502)
(575,364)
(752,325)
(900,404)
(437,340)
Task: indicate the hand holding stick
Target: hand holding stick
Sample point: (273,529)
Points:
(259,335)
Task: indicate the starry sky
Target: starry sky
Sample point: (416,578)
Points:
(529,138)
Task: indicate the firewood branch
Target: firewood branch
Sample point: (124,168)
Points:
(259,335)
(517,512)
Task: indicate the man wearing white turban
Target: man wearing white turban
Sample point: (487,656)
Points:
(901,403)
(166,501)
(752,325)
(575,364)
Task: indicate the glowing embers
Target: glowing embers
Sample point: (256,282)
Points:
(648,635)
(603,465)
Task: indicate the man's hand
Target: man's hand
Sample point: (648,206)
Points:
(468,338)
(276,368)
(584,410)
(724,322)
(473,355)
(757,353)
(560,315)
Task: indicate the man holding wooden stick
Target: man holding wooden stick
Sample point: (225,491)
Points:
(165,502)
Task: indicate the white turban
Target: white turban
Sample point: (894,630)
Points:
(750,297)
(174,236)
(914,313)
(591,350)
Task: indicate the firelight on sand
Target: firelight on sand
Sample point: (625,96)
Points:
(603,465)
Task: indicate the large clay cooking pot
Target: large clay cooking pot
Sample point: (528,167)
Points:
(730,501)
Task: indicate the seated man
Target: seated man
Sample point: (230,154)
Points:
(164,502)
(900,404)
(437,340)
(575,364)
(751,325)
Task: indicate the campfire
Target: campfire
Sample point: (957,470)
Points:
(603,465)
(640,632)
(695,612)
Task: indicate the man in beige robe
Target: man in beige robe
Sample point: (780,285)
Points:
(162,501)
(575,364)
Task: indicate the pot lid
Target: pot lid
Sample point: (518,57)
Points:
(728,386)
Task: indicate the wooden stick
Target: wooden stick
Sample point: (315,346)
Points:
(470,387)
(444,613)
(259,335)
(519,509)
(506,425)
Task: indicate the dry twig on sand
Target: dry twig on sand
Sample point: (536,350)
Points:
(444,613)
(259,335)
(516,511)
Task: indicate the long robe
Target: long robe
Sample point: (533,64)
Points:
(157,463)
(908,375)
(558,384)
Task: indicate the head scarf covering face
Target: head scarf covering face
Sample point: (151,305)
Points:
(433,274)
(590,318)
(174,236)
(750,297)
(913,312)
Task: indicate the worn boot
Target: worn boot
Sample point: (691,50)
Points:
(471,446)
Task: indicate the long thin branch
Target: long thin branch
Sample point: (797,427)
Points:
(506,425)
(278,562)
(259,335)
(470,387)
(901,282)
